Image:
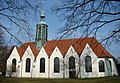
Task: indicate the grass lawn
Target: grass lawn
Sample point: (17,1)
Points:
(39,80)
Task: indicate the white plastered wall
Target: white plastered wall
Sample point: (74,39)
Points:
(28,54)
(88,52)
(13,55)
(102,74)
(71,52)
(49,64)
(114,68)
(56,53)
(42,54)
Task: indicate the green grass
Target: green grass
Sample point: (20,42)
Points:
(39,80)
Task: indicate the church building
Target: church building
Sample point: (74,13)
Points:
(67,58)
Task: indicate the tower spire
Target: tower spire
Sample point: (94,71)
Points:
(42,17)
(41,31)
(42,14)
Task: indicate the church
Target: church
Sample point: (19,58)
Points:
(67,58)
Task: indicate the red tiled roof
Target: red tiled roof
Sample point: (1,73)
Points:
(78,44)
(63,45)
(23,48)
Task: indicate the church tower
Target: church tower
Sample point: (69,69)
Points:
(41,31)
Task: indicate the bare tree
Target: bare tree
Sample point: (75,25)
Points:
(118,64)
(118,60)
(15,17)
(3,51)
(1,37)
(75,64)
(11,70)
(89,17)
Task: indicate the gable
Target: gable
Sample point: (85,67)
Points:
(42,53)
(28,53)
(63,45)
(78,44)
(23,48)
(56,52)
(14,54)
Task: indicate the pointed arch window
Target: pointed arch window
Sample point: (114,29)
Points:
(71,62)
(14,65)
(42,65)
(101,66)
(88,64)
(110,65)
(28,63)
(72,67)
(56,65)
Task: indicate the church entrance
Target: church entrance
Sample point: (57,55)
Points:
(72,72)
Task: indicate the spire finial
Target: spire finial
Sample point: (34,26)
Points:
(42,17)
(43,2)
